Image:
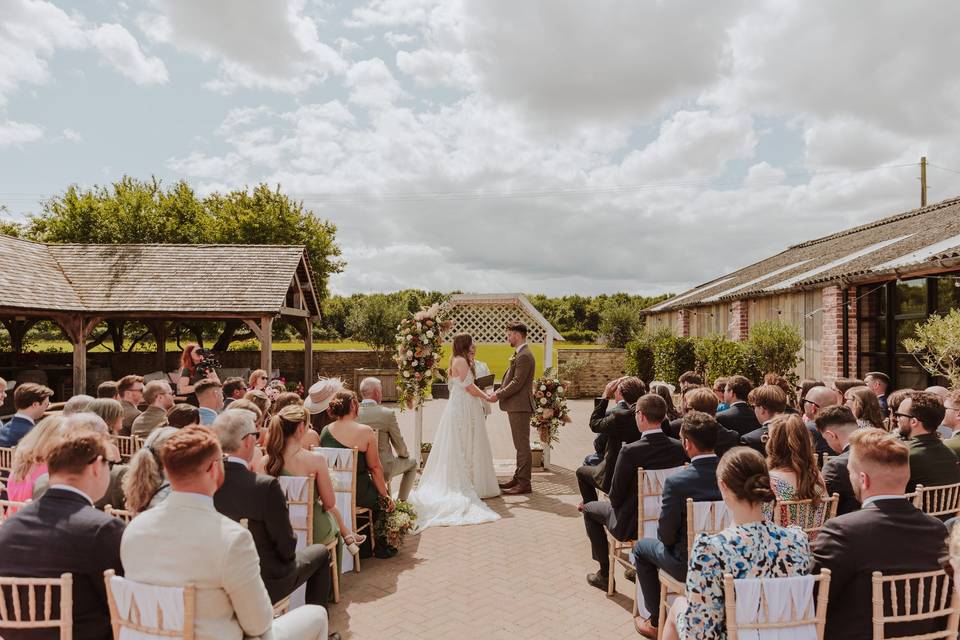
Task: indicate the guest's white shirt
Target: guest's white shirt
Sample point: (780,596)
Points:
(238,461)
(872,499)
(72,489)
(646,433)
(24,416)
(702,456)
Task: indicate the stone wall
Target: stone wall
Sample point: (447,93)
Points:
(600,367)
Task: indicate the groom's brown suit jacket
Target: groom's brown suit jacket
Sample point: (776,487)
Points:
(516,391)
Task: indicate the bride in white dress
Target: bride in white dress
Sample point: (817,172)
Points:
(459,471)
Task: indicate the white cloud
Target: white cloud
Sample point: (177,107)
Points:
(121,51)
(72,136)
(372,85)
(272,45)
(18,133)
(203,166)
(432,68)
(397,40)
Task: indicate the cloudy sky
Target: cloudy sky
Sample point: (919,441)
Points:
(552,146)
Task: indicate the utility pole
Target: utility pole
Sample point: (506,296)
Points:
(923,181)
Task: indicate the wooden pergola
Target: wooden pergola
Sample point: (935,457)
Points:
(80,285)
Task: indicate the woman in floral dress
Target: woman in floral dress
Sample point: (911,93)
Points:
(794,475)
(751,547)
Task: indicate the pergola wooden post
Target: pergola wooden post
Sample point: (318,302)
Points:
(307,353)
(264,332)
(78,328)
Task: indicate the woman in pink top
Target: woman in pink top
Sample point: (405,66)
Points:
(30,458)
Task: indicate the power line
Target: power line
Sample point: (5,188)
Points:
(936,166)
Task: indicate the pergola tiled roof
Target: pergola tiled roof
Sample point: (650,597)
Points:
(79,285)
(908,242)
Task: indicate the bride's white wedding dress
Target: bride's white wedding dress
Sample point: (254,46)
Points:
(459,471)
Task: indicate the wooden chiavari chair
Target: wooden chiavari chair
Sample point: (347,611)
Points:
(915,597)
(21,597)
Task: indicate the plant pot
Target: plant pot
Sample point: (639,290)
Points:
(537,455)
(440,391)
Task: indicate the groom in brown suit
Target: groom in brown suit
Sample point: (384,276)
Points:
(516,398)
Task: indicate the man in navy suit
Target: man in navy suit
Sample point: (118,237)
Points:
(668,551)
(740,416)
(31,401)
(653,450)
(62,532)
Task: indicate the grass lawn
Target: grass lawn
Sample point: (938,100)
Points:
(496,356)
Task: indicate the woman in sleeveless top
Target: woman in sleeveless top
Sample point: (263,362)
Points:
(345,433)
(793,471)
(287,457)
(30,459)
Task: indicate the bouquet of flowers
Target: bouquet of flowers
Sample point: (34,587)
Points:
(551,411)
(296,387)
(395,524)
(275,387)
(419,346)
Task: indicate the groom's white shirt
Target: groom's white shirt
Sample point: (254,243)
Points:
(522,345)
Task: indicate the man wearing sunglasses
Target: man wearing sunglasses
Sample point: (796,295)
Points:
(62,532)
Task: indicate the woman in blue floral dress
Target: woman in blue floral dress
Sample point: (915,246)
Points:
(751,547)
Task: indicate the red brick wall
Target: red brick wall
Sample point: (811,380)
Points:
(740,320)
(685,322)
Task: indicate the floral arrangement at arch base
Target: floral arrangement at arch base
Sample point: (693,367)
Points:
(419,347)
(394,525)
(549,393)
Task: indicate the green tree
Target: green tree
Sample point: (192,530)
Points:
(619,322)
(374,321)
(936,346)
(773,347)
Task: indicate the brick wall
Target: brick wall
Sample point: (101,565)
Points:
(740,320)
(601,366)
(831,344)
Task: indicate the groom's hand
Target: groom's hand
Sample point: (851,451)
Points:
(493,397)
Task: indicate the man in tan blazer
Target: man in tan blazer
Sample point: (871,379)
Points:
(384,421)
(516,398)
(184,541)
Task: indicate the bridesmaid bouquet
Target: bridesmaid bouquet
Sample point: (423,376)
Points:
(551,411)
(419,346)
(394,525)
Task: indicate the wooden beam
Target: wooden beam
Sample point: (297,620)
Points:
(254,327)
(308,353)
(266,344)
(159,329)
(290,311)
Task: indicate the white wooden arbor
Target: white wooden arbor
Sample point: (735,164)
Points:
(485,317)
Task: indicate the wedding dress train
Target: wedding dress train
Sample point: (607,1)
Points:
(459,470)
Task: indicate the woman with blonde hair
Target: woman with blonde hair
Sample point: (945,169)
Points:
(110,410)
(792,461)
(286,457)
(145,485)
(865,407)
(258,380)
(30,458)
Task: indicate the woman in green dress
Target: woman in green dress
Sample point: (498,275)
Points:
(346,433)
(287,457)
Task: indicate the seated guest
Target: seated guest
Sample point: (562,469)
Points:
(233,389)
(842,385)
(818,398)
(30,458)
(76,404)
(793,468)
(62,532)
(258,380)
(599,451)
(131,395)
(719,387)
(311,438)
(210,400)
(287,457)
(787,388)
(260,500)
(145,485)
(703,400)
(854,545)
(668,551)
(110,411)
(836,424)
(159,398)
(346,433)
(183,415)
(893,405)
(941,393)
(653,450)
(769,401)
(865,407)
(31,402)
(932,464)
(751,547)
(389,438)
(318,400)
(739,416)
(808,411)
(665,391)
(620,427)
(108,389)
(878,382)
(689,380)
(185,541)
(951,420)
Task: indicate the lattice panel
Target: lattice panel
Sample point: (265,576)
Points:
(488,322)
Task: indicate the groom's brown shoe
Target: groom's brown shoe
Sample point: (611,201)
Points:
(517,490)
(509,484)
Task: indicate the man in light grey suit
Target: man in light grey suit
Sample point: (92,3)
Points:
(388,432)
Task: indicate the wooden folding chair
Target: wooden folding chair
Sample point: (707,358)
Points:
(716,519)
(356,512)
(10,507)
(942,500)
(649,485)
(816,613)
(128,445)
(6,461)
(134,621)
(123,514)
(17,594)
(915,597)
(804,514)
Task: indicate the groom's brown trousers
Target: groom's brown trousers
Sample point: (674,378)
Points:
(520,428)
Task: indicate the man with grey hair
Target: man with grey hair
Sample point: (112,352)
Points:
(384,420)
(260,500)
(76,404)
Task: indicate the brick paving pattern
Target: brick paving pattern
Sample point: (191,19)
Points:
(520,577)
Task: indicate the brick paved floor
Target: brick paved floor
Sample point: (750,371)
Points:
(519,577)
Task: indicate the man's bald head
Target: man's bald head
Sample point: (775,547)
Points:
(879,463)
(819,398)
(937,390)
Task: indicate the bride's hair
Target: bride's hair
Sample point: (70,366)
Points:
(461,347)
